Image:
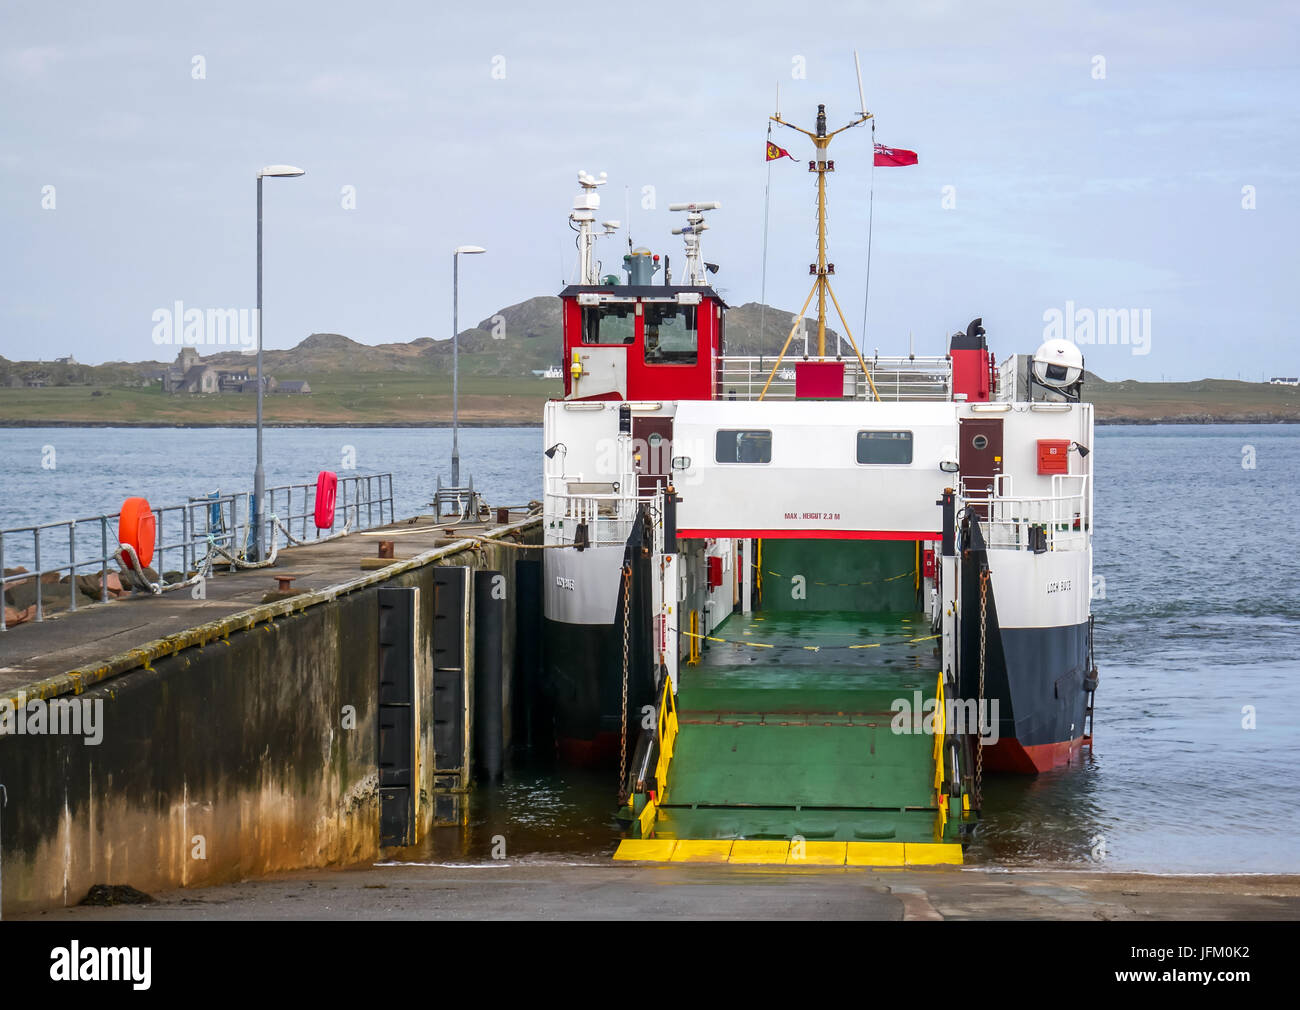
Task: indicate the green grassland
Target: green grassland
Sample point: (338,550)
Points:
(367,398)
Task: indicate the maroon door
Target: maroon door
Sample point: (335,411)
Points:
(652,447)
(980,456)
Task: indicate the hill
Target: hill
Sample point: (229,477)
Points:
(410,383)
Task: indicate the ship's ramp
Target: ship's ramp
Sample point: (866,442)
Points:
(787,735)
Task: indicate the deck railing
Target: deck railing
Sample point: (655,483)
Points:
(1064,516)
(87,546)
(895,378)
(609,515)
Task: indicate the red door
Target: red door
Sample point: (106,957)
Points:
(980,457)
(652,448)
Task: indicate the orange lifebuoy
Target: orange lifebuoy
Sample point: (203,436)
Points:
(327,484)
(137,528)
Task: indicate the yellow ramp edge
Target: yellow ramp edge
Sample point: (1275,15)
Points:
(754,851)
(818,854)
(932,854)
(650,849)
(692,850)
(875,854)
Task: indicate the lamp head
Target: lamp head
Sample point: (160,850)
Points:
(281,172)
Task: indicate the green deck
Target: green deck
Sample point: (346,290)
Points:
(796,739)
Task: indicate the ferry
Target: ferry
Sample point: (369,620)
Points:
(811,597)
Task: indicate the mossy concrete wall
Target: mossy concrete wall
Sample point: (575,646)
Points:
(250,750)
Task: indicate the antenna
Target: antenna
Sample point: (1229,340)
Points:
(862,106)
(585,205)
(690,232)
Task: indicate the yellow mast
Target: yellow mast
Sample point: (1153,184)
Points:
(821,284)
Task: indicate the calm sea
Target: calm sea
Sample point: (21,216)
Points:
(1198,633)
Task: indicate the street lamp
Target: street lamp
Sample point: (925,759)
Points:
(455,356)
(259,475)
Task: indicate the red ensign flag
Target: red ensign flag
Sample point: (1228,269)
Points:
(774,152)
(894,156)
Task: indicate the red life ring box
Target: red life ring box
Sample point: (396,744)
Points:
(327,484)
(137,527)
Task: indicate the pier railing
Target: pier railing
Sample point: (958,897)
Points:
(896,378)
(70,548)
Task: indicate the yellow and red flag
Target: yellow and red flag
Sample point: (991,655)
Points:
(775,153)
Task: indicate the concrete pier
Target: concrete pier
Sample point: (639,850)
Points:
(172,741)
(548,890)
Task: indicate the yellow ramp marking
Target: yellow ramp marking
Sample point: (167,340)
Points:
(656,849)
(819,854)
(696,850)
(875,854)
(759,851)
(932,854)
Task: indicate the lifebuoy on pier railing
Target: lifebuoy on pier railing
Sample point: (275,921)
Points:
(137,529)
(327,484)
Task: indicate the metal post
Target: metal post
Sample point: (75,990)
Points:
(259,475)
(455,368)
(36,542)
(72,565)
(103,570)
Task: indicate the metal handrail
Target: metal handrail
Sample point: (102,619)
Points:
(896,378)
(204,520)
(1065,514)
(563,512)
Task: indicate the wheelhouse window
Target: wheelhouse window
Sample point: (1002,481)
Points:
(743,446)
(671,334)
(611,323)
(885,447)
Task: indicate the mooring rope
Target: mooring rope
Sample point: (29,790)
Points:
(841,585)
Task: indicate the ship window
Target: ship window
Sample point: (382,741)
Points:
(670,334)
(612,323)
(744,446)
(885,447)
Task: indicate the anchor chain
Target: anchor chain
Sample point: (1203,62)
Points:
(622,751)
(979,740)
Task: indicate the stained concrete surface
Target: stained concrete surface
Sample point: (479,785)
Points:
(554,890)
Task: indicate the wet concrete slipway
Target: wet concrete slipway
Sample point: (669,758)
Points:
(602,889)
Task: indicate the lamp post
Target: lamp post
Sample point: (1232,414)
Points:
(259,475)
(455,357)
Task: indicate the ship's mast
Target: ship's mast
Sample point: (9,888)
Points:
(822,269)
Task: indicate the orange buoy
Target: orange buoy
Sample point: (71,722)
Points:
(327,483)
(137,527)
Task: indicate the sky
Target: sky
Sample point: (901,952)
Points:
(1074,159)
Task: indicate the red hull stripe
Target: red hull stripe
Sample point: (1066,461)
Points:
(1009,755)
(812,534)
